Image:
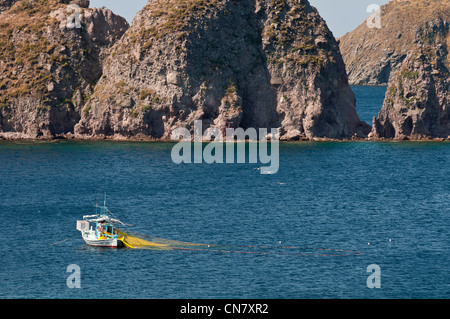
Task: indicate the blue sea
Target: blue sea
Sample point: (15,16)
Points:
(331,212)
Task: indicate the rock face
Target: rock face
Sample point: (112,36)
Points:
(409,53)
(48,67)
(371,54)
(249,63)
(417,103)
(6,4)
(80,3)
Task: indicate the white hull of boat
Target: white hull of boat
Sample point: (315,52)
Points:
(91,240)
(104,242)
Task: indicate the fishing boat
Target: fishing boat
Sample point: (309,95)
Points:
(99,229)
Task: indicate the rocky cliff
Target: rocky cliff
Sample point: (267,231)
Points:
(409,53)
(252,63)
(417,102)
(6,4)
(49,66)
(371,54)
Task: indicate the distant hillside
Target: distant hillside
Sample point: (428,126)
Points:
(371,54)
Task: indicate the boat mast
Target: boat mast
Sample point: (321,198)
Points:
(105,210)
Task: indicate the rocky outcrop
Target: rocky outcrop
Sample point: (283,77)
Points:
(417,103)
(371,54)
(6,4)
(252,63)
(48,67)
(409,53)
(80,3)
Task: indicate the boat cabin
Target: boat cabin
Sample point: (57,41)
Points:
(104,229)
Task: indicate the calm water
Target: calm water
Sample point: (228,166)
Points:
(395,196)
(369,101)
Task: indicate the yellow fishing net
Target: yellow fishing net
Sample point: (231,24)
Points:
(137,241)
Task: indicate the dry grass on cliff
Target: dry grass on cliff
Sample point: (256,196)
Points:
(174,15)
(404,23)
(23,46)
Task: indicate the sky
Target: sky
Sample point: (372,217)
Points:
(342,16)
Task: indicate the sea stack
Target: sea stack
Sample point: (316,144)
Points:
(409,53)
(249,63)
(50,63)
(417,102)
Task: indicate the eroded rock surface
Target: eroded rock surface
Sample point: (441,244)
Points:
(417,103)
(48,68)
(261,64)
(371,54)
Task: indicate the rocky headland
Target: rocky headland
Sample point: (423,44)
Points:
(48,67)
(252,63)
(261,64)
(409,54)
